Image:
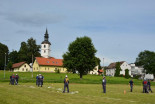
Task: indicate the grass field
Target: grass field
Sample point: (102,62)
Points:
(26,77)
(51,93)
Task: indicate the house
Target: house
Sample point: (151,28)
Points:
(137,70)
(21,67)
(110,71)
(51,64)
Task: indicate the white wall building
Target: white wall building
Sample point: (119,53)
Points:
(110,71)
(95,70)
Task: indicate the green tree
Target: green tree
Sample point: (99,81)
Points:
(127,73)
(98,61)
(118,69)
(3,52)
(13,57)
(147,60)
(29,50)
(80,56)
(9,65)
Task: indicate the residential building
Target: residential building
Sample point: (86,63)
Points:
(96,71)
(21,67)
(51,64)
(110,71)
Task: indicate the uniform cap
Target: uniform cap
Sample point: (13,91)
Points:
(66,76)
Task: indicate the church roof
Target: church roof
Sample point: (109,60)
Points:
(16,65)
(49,61)
(46,38)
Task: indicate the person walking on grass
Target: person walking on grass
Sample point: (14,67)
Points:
(104,84)
(16,77)
(149,86)
(66,84)
(131,85)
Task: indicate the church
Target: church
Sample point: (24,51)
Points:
(46,63)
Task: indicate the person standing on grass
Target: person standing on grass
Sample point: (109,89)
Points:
(131,85)
(13,79)
(104,84)
(37,80)
(149,86)
(16,77)
(66,84)
(145,86)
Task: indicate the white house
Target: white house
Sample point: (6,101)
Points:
(94,71)
(137,70)
(110,71)
(21,67)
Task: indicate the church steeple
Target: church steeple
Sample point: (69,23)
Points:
(45,46)
(46,38)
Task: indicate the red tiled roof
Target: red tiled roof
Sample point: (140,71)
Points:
(113,65)
(16,65)
(49,61)
(101,71)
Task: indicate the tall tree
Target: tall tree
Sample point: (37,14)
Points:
(98,61)
(147,60)
(3,53)
(29,50)
(13,57)
(80,56)
(118,69)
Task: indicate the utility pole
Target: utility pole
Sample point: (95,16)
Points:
(32,65)
(5,66)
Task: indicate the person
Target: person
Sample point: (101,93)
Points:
(66,84)
(104,84)
(37,80)
(10,80)
(149,86)
(16,79)
(131,85)
(40,80)
(13,79)
(145,86)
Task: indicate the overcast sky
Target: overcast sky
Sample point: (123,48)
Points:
(119,29)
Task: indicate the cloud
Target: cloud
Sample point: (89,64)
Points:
(33,19)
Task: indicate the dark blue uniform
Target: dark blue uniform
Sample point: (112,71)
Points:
(145,87)
(149,86)
(104,85)
(131,85)
(66,84)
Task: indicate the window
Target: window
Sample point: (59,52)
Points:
(25,66)
(33,68)
(26,69)
(48,68)
(44,51)
(45,68)
(44,46)
(23,69)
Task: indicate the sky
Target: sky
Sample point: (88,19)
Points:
(119,29)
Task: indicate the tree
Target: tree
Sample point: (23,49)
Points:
(29,50)
(127,73)
(118,69)
(147,60)
(3,52)
(98,61)
(13,57)
(80,56)
(9,65)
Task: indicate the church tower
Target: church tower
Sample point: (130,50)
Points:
(45,46)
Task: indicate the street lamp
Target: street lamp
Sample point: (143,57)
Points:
(5,66)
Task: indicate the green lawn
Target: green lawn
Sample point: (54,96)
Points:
(26,77)
(51,93)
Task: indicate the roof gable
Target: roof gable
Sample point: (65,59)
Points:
(16,65)
(113,65)
(49,61)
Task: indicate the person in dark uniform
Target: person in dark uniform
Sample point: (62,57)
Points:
(149,86)
(104,84)
(145,86)
(10,80)
(40,80)
(66,84)
(131,85)
(13,79)
(37,80)
(16,78)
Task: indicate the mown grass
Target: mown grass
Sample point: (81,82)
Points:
(26,77)
(51,93)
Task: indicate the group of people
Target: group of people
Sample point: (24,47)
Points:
(39,80)
(14,79)
(146,86)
